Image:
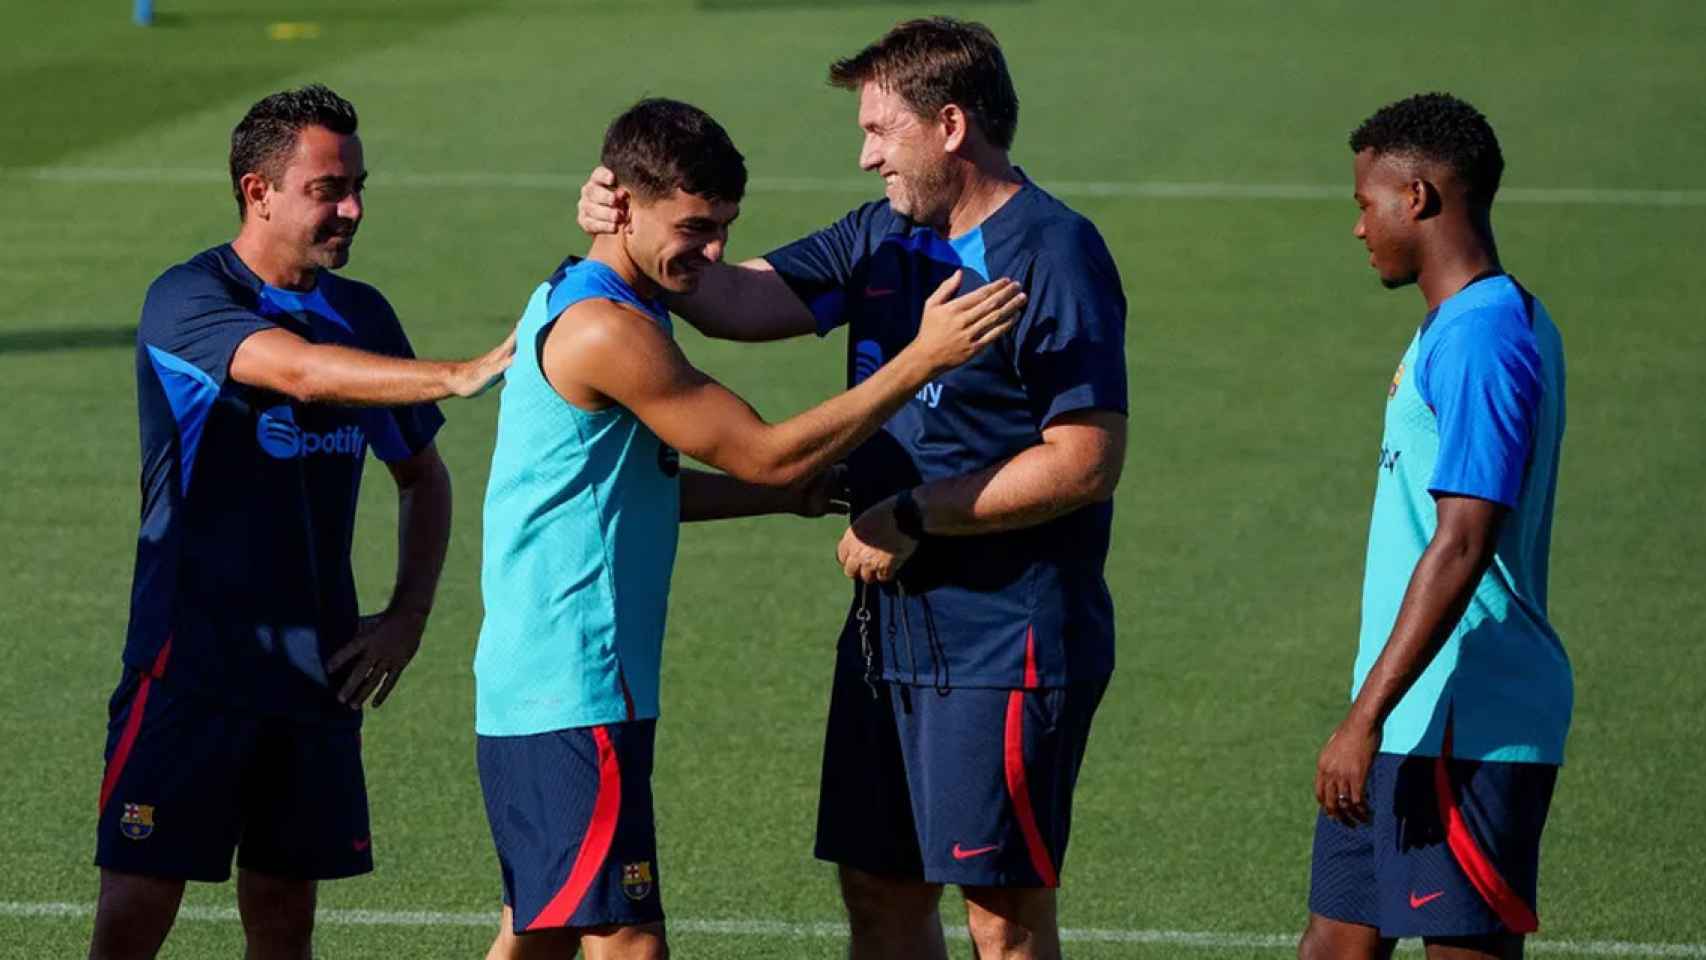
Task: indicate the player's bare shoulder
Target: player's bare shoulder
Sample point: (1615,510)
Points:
(594,345)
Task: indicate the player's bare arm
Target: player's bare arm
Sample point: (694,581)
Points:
(1077,463)
(283,362)
(600,353)
(385,642)
(718,496)
(745,301)
(1439,591)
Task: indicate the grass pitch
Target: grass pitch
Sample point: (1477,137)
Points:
(1260,348)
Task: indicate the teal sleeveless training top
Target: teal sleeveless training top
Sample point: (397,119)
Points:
(581,517)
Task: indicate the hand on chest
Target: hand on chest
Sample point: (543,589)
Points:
(885,306)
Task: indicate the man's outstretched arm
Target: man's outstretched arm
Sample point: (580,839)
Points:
(718,496)
(283,362)
(612,352)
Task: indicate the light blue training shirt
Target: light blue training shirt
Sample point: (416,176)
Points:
(1475,409)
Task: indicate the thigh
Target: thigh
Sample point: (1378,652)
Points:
(864,814)
(305,796)
(992,774)
(1463,859)
(572,818)
(170,794)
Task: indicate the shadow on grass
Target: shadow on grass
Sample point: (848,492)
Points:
(116,79)
(814,4)
(66,338)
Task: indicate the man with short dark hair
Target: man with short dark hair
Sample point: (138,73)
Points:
(981,634)
(262,381)
(1434,789)
(582,507)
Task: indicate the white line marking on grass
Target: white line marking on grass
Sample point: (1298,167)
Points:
(1141,189)
(1203,939)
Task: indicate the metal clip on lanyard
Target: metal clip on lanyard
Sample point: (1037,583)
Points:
(863,616)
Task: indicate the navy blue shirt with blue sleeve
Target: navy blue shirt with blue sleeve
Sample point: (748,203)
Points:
(243,586)
(1016,608)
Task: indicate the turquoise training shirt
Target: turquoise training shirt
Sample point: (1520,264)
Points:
(1475,409)
(581,518)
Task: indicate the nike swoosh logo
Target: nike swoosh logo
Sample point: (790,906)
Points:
(960,854)
(1417,903)
(880,291)
(361,844)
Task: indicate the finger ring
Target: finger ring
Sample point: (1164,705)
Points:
(1343,797)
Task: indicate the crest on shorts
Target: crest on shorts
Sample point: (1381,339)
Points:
(137,821)
(637,879)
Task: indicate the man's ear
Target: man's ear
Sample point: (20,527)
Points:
(255,188)
(954,123)
(1422,199)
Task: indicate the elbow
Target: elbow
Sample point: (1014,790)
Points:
(1469,551)
(763,457)
(300,383)
(1462,550)
(1097,483)
(768,472)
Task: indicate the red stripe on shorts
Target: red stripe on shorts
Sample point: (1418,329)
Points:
(132,726)
(1020,792)
(1517,916)
(595,846)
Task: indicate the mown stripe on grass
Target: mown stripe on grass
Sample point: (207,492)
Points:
(1199,939)
(1142,189)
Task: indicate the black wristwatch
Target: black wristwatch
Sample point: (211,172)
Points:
(908,519)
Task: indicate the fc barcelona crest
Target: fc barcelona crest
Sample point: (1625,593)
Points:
(137,821)
(637,879)
(1397,378)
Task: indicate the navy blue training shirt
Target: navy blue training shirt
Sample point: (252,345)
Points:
(1025,607)
(243,585)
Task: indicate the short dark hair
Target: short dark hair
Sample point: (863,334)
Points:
(263,140)
(936,61)
(1438,127)
(658,145)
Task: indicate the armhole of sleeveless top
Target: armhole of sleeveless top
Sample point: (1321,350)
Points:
(539,360)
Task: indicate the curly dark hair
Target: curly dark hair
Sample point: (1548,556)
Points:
(1437,127)
(936,61)
(658,145)
(263,140)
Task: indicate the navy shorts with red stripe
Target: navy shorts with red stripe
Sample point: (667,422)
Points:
(969,786)
(571,816)
(1453,849)
(189,781)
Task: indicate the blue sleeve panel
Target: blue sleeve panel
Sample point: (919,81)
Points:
(199,318)
(1480,372)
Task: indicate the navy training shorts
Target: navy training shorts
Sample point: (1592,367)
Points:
(1453,849)
(571,816)
(969,786)
(190,780)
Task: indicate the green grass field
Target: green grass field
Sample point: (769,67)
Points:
(1260,348)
